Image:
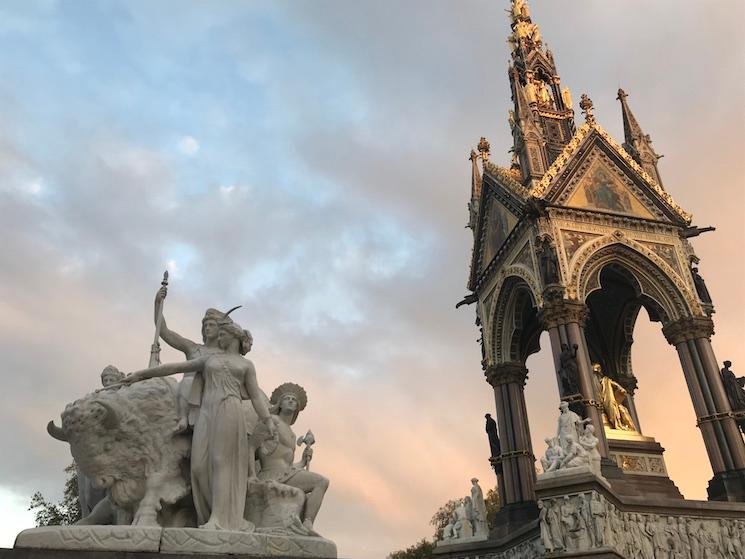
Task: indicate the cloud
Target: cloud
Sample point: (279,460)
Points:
(331,204)
(188,146)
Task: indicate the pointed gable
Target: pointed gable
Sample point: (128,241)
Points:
(595,173)
(602,187)
(501,206)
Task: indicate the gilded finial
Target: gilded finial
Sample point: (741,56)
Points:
(520,10)
(586,105)
(483,148)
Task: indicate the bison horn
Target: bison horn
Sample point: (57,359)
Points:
(56,432)
(111,420)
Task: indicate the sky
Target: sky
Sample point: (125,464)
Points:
(308,160)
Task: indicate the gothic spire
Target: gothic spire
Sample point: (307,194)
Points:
(636,143)
(543,120)
(476,182)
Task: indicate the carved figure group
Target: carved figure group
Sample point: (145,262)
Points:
(585,521)
(185,454)
(575,444)
(469,518)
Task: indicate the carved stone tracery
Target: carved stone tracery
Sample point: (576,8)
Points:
(658,284)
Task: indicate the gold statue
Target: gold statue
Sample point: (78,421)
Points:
(611,396)
(566,95)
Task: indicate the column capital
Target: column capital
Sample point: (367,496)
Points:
(504,373)
(557,310)
(688,328)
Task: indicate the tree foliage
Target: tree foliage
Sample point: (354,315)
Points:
(421,550)
(492,506)
(67,511)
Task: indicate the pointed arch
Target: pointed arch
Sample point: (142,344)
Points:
(516,329)
(660,288)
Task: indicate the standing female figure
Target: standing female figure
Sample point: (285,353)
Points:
(219,451)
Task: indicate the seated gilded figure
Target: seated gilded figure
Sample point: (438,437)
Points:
(612,395)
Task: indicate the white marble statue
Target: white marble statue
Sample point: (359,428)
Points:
(589,442)
(189,394)
(575,446)
(480,525)
(124,442)
(554,455)
(276,455)
(220,451)
(469,522)
(170,488)
(88,494)
(463,525)
(569,424)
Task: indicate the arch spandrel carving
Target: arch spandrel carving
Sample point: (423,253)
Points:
(656,279)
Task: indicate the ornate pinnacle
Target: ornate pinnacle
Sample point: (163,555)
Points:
(586,105)
(483,148)
(520,10)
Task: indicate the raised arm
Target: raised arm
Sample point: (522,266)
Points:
(173,339)
(252,387)
(192,365)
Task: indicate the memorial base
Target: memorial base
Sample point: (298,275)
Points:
(168,541)
(582,516)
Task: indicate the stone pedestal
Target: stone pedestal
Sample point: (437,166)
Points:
(641,460)
(273,505)
(184,541)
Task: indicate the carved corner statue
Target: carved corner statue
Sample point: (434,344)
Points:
(700,285)
(495,447)
(612,395)
(468,522)
(734,387)
(568,371)
(575,444)
(132,443)
(547,260)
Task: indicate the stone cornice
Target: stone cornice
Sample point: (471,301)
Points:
(505,373)
(688,328)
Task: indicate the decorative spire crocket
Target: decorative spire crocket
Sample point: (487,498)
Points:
(636,143)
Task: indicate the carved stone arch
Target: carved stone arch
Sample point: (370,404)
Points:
(516,328)
(615,279)
(661,290)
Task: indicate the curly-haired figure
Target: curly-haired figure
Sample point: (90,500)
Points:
(276,456)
